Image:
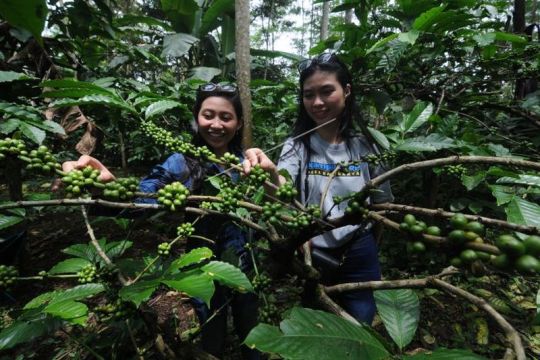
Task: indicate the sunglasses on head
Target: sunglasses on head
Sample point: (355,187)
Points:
(210,87)
(320,59)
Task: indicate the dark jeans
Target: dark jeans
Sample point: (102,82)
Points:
(244,313)
(360,263)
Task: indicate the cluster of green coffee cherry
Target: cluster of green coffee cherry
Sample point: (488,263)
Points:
(122,189)
(173,195)
(229,197)
(416,228)
(40,159)
(117,310)
(257,176)
(164,249)
(9,146)
(385,157)
(229,158)
(268,313)
(353,207)
(455,170)
(287,192)
(87,274)
(79,181)
(270,212)
(261,282)
(522,255)
(185,230)
(8,275)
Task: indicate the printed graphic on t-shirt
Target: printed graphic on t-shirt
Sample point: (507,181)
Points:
(316,168)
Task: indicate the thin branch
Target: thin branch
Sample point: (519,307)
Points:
(132,337)
(387,207)
(98,248)
(331,306)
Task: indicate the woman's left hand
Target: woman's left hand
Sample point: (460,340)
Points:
(256,156)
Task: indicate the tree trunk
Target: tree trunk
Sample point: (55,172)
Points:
(243,62)
(325,20)
(519,28)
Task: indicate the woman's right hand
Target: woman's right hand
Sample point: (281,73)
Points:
(86,160)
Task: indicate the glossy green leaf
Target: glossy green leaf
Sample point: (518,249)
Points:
(311,334)
(139,292)
(228,275)
(23,331)
(9,126)
(76,293)
(400,312)
(409,37)
(212,15)
(204,73)
(417,117)
(71,311)
(193,257)
(95,100)
(159,107)
(528,180)
(177,45)
(274,54)
(9,76)
(503,194)
(69,266)
(7,221)
(195,284)
(75,85)
(30,16)
(472,181)
(382,42)
(520,211)
(433,142)
(380,138)
(425,21)
(116,248)
(31,132)
(445,354)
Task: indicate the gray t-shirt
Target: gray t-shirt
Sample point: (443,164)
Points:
(318,166)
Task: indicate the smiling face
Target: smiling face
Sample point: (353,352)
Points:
(323,96)
(217,123)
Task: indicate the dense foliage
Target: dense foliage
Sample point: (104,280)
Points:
(448,89)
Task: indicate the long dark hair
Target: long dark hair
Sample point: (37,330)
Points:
(197,170)
(350,120)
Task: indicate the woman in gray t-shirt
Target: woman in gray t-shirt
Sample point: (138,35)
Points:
(327,107)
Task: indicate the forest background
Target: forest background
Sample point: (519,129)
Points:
(449,90)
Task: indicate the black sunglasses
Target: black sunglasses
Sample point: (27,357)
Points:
(210,87)
(320,59)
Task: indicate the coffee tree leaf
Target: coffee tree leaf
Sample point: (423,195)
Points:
(228,275)
(194,283)
(71,311)
(69,266)
(313,334)
(400,312)
(193,257)
(23,331)
(445,354)
(159,107)
(139,292)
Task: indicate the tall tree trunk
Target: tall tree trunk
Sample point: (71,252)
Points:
(325,20)
(519,28)
(243,64)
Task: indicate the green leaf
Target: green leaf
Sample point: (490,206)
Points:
(311,334)
(77,87)
(23,331)
(275,54)
(139,292)
(484,39)
(9,126)
(433,142)
(72,311)
(425,21)
(69,266)
(523,212)
(204,73)
(503,194)
(116,248)
(417,117)
(9,76)
(470,182)
(528,180)
(159,107)
(30,16)
(177,45)
(212,15)
(445,354)
(195,284)
(7,221)
(400,312)
(379,138)
(228,275)
(95,100)
(182,13)
(78,292)
(409,37)
(381,42)
(32,132)
(193,257)
(84,251)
